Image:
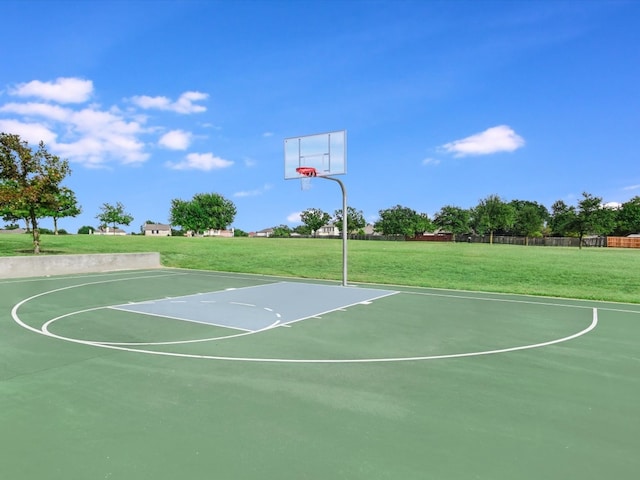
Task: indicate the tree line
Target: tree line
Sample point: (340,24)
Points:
(31,188)
(491,216)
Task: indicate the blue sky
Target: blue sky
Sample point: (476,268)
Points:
(444,103)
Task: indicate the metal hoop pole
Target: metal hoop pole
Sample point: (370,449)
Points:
(344,228)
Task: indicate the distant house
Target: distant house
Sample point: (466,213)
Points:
(368,230)
(328,230)
(14,230)
(267,232)
(157,230)
(218,233)
(109,231)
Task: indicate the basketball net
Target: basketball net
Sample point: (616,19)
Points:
(305,183)
(307,174)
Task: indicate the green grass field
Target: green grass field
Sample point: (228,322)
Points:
(591,273)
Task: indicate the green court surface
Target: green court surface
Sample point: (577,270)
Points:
(167,374)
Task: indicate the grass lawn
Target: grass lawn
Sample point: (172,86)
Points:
(591,273)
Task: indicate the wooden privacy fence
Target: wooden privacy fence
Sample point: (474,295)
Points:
(623,242)
(535,241)
(618,242)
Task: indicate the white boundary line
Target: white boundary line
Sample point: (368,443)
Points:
(402,288)
(44,331)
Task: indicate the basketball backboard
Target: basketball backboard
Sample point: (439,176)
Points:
(326,152)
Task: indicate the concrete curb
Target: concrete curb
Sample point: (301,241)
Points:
(43,265)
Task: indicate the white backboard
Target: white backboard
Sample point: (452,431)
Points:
(326,152)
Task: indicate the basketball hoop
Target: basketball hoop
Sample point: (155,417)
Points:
(324,156)
(307,173)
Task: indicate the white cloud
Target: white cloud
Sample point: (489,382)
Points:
(96,136)
(91,134)
(632,187)
(294,217)
(62,90)
(33,133)
(45,110)
(267,134)
(254,193)
(431,161)
(175,140)
(493,140)
(200,161)
(249,162)
(184,104)
(87,136)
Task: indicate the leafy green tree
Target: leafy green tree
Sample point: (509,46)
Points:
(85,230)
(422,224)
(529,219)
(355,220)
(628,217)
(302,230)
(453,219)
(281,231)
(205,211)
(401,220)
(67,207)
(492,214)
(114,215)
(29,181)
(563,219)
(592,218)
(13,216)
(184,213)
(314,219)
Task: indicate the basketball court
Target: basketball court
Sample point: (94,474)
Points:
(178,373)
(168,373)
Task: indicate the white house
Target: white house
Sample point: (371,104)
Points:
(157,230)
(109,231)
(218,233)
(328,230)
(267,232)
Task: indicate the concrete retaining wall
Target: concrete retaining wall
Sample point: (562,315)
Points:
(42,265)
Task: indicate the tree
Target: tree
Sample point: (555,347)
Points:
(592,218)
(302,230)
(355,220)
(529,218)
(29,181)
(281,231)
(563,219)
(67,207)
(12,215)
(205,211)
(314,219)
(114,215)
(452,219)
(183,213)
(628,217)
(492,214)
(85,230)
(401,220)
